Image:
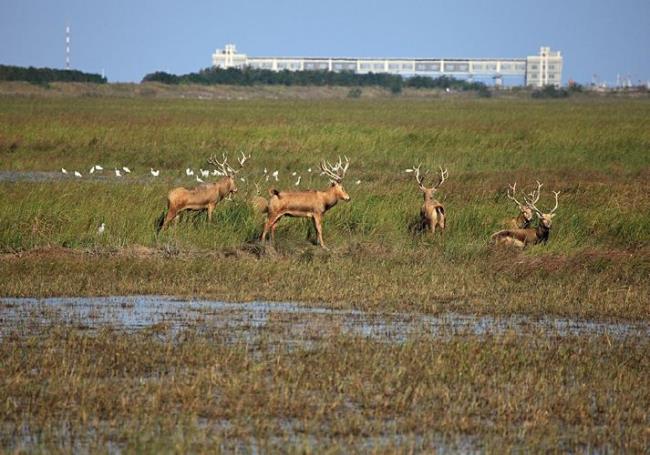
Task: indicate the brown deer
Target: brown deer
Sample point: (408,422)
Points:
(308,204)
(206,195)
(525,217)
(524,237)
(432,213)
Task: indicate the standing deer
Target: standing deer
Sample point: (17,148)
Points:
(206,195)
(308,204)
(432,213)
(523,237)
(525,217)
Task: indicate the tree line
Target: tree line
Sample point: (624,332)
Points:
(46,75)
(253,76)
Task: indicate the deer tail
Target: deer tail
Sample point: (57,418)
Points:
(274,192)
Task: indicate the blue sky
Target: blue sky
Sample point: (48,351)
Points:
(128,39)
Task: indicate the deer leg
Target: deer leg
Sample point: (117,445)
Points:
(171,214)
(210,209)
(270,225)
(318,218)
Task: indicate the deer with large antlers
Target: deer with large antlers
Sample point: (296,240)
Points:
(523,237)
(308,204)
(206,195)
(432,213)
(525,217)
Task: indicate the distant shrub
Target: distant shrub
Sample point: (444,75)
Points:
(355,92)
(43,76)
(550,91)
(161,76)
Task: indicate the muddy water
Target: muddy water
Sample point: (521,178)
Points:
(289,322)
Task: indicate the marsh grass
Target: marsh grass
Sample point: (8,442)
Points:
(594,151)
(67,389)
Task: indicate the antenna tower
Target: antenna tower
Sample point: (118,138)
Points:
(67,47)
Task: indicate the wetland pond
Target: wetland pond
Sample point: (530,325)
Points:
(290,323)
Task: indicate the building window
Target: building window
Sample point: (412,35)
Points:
(533,67)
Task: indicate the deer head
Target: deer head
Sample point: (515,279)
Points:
(525,210)
(428,192)
(225,169)
(336,173)
(544,218)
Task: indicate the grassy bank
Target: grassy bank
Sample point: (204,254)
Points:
(194,391)
(594,151)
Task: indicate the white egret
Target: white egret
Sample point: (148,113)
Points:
(77,174)
(101,229)
(155,173)
(118,173)
(64,171)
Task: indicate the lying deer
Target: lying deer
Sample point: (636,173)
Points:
(206,195)
(523,237)
(432,213)
(308,204)
(525,217)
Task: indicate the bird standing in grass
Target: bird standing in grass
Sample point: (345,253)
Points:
(98,167)
(118,173)
(298,181)
(155,173)
(189,172)
(77,174)
(101,229)
(92,170)
(198,179)
(64,171)
(126,169)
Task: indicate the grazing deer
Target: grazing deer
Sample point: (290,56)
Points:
(204,196)
(525,217)
(432,213)
(523,237)
(308,204)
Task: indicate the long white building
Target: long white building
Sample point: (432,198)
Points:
(537,70)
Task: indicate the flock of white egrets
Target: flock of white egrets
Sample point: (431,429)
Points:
(199,175)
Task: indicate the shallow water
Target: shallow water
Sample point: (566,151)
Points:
(289,322)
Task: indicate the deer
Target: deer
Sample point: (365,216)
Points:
(206,195)
(432,213)
(525,217)
(529,236)
(308,204)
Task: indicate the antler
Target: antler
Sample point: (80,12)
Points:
(534,195)
(512,196)
(243,159)
(337,171)
(417,175)
(443,176)
(531,204)
(557,193)
(223,165)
